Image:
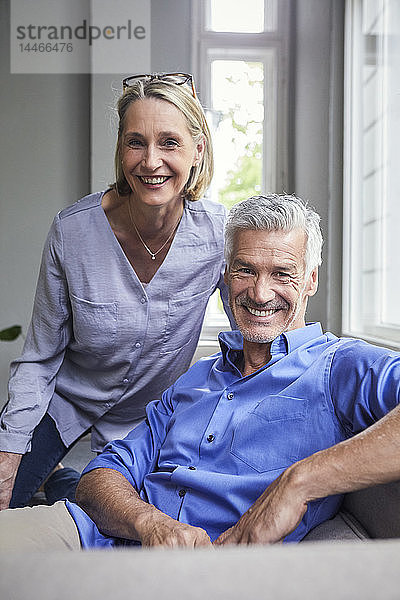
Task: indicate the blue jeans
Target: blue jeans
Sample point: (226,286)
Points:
(46,452)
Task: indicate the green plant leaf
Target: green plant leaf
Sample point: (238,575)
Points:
(11,333)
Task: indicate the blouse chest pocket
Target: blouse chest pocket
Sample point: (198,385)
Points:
(184,320)
(271,435)
(94,325)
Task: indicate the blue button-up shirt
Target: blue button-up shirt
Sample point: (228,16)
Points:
(216,440)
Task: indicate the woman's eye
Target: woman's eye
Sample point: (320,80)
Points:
(134,143)
(170,143)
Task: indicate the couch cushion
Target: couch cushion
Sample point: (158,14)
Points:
(342,527)
(377,509)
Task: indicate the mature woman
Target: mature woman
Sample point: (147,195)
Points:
(124,283)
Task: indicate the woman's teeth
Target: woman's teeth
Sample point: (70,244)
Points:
(153,180)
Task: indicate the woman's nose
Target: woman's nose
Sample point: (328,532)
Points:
(151,158)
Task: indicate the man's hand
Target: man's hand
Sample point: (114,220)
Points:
(158,529)
(9,463)
(275,514)
(116,508)
(369,458)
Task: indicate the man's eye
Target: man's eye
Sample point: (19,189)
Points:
(283,276)
(246,271)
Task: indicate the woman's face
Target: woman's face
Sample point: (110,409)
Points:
(157,151)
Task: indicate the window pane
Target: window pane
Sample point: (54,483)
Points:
(375,208)
(391,136)
(238,107)
(237,16)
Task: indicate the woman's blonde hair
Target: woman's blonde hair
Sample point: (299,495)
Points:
(181,97)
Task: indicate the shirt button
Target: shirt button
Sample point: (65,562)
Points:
(143,300)
(192,468)
(211,437)
(230,396)
(137,345)
(182,493)
(126,380)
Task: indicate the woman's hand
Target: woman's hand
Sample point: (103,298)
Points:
(9,463)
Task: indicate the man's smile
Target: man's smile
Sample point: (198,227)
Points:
(261,313)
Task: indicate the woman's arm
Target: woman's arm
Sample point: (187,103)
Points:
(33,375)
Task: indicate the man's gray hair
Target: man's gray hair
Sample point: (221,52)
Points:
(276,212)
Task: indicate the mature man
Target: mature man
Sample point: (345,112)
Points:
(254,444)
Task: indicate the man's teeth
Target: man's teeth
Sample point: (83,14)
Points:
(153,180)
(261,313)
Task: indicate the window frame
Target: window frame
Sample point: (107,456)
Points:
(211,45)
(352,184)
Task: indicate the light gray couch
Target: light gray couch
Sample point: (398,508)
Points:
(368,514)
(345,563)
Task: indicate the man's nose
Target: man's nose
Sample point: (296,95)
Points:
(262,291)
(151,158)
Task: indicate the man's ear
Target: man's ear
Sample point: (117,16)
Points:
(312,284)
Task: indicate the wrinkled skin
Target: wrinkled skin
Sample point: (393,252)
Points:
(9,463)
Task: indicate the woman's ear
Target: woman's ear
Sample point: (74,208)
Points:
(200,147)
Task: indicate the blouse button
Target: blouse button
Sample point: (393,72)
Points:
(137,345)
(211,437)
(126,380)
(182,493)
(230,396)
(143,300)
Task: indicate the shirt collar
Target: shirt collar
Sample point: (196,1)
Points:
(298,337)
(231,342)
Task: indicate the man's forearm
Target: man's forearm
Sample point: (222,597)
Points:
(112,503)
(369,458)
(118,511)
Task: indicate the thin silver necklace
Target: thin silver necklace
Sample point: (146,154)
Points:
(152,254)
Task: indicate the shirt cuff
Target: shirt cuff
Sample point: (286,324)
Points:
(19,443)
(98,463)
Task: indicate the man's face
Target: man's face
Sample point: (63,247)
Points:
(267,287)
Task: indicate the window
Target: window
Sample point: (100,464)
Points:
(240,60)
(372,174)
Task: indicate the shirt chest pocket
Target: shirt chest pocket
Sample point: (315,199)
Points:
(270,437)
(94,325)
(184,320)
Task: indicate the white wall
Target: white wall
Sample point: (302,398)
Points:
(44,166)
